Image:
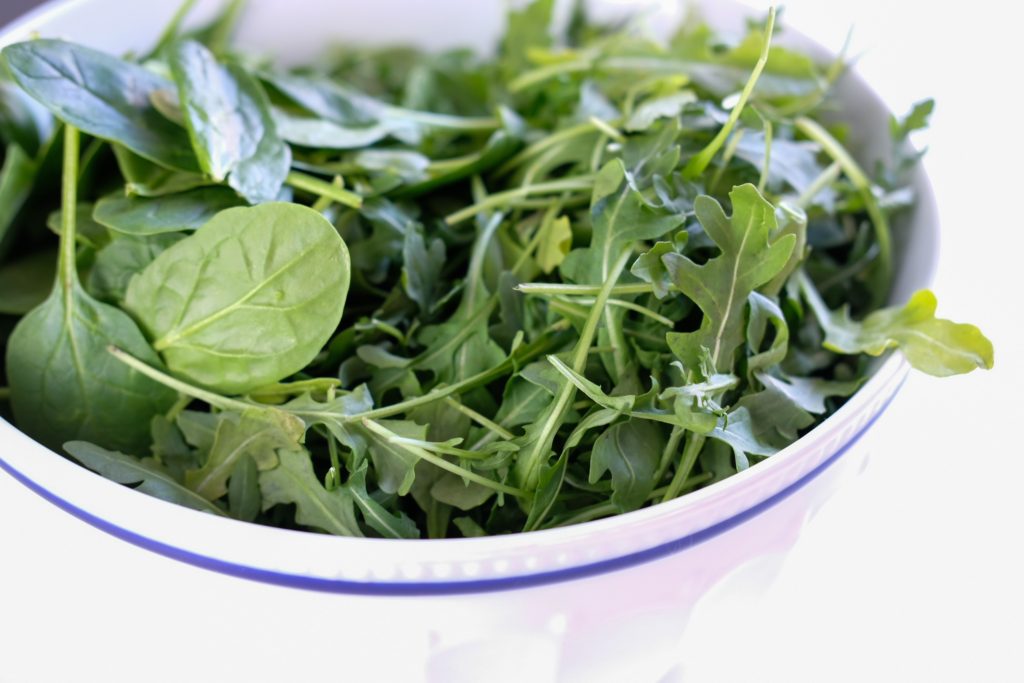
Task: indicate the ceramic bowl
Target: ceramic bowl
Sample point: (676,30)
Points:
(608,600)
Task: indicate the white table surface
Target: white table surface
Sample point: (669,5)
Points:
(913,571)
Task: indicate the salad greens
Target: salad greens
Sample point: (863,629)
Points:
(421,295)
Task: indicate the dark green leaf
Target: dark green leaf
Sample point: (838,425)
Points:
(138,474)
(102,95)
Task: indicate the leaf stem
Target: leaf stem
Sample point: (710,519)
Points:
(67,272)
(824,179)
(698,163)
(170,32)
(320,188)
(544,144)
(429,118)
(813,130)
(498,199)
(5,393)
(593,512)
(482,420)
(530,462)
(690,452)
(216,400)
(553,289)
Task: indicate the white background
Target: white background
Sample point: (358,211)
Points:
(914,570)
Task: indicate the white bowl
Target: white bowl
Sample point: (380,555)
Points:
(585,603)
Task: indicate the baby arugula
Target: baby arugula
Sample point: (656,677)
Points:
(588,275)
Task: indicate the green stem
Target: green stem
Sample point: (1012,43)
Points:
(547,72)
(669,451)
(5,393)
(529,463)
(216,400)
(824,179)
(690,452)
(435,120)
(523,355)
(67,267)
(544,144)
(546,289)
(440,462)
(221,33)
(499,199)
(727,155)
(320,188)
(607,509)
(813,130)
(481,420)
(696,165)
(763,180)
(630,306)
(170,33)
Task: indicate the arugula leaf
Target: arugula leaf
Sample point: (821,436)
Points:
(293,481)
(933,345)
(138,474)
(102,95)
(244,497)
(721,286)
(630,450)
(257,434)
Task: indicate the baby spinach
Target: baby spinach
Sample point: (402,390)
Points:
(228,119)
(248,299)
(102,95)
(584,279)
(64,384)
(181,212)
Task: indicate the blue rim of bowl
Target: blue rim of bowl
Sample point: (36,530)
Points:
(434,588)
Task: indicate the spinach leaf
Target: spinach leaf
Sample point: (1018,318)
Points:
(102,95)
(138,216)
(27,283)
(118,262)
(280,272)
(64,384)
(228,119)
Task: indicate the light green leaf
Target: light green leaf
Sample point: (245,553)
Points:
(258,434)
(279,272)
(933,345)
(555,241)
(721,286)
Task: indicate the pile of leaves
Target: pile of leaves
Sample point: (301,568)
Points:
(423,295)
